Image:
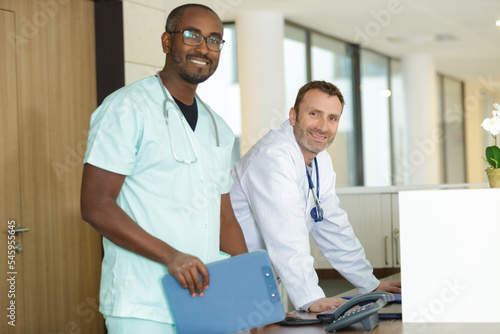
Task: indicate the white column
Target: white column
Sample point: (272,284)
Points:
(424,135)
(261,74)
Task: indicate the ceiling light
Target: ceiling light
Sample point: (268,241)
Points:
(498,23)
(418,39)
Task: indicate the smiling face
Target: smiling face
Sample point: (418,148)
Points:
(194,64)
(316,122)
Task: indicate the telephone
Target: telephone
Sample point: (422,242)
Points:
(367,313)
(345,315)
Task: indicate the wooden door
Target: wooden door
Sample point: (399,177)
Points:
(48,92)
(10,197)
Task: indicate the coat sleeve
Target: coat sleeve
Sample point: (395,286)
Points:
(271,186)
(336,239)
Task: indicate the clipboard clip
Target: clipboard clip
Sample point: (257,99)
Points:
(270,280)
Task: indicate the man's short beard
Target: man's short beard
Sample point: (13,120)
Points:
(193,79)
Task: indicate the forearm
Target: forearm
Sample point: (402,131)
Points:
(232,240)
(116,225)
(100,189)
(346,254)
(297,274)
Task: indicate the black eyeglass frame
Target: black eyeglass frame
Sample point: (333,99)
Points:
(201,40)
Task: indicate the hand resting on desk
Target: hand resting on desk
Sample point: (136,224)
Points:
(389,286)
(324,304)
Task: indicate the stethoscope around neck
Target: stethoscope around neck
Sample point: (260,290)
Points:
(184,122)
(317,211)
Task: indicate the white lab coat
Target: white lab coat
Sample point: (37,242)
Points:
(272,202)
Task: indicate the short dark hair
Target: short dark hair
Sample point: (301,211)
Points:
(175,15)
(323,86)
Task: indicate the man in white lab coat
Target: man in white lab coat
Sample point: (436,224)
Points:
(284,189)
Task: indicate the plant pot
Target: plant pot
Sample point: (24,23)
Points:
(493,177)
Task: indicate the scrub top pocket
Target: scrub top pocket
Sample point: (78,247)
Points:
(216,162)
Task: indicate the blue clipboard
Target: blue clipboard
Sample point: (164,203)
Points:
(243,294)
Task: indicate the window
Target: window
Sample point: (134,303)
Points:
(295,62)
(375,119)
(330,62)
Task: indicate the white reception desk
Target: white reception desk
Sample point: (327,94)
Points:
(450,255)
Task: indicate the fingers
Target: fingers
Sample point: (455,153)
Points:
(394,289)
(204,275)
(324,304)
(390,286)
(198,284)
(191,274)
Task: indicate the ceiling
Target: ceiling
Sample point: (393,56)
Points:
(460,34)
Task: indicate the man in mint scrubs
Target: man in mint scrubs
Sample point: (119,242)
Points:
(156,180)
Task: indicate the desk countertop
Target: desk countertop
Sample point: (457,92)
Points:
(384,327)
(387,327)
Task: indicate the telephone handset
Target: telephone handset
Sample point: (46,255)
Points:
(367,313)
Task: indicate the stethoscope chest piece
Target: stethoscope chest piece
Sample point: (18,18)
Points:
(317,214)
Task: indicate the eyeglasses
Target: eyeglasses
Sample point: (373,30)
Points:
(194,39)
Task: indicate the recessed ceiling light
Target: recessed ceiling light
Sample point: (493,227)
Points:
(416,39)
(498,23)
(411,39)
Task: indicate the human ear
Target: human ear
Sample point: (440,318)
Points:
(166,40)
(292,115)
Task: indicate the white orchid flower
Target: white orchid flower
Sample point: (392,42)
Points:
(492,125)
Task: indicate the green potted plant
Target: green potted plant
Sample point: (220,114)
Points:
(492,125)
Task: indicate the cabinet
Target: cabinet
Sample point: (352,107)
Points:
(374,218)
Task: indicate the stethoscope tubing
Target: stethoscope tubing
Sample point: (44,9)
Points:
(319,211)
(184,122)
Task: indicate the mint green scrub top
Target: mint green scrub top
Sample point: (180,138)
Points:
(175,202)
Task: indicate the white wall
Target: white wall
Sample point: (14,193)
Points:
(144,22)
